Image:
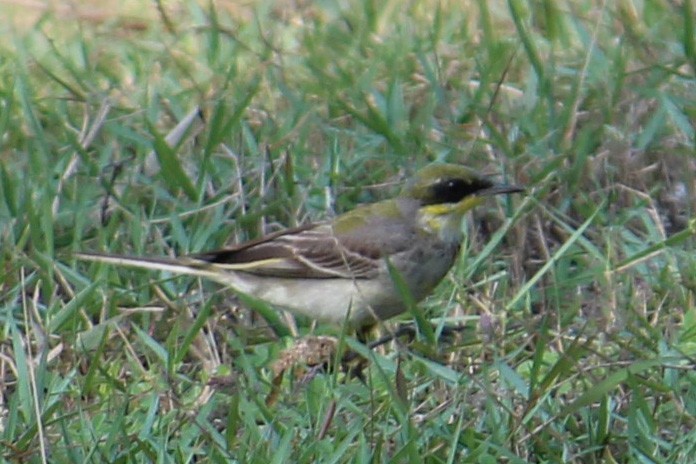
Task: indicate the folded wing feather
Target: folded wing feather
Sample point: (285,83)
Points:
(310,252)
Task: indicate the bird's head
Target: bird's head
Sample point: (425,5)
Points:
(448,191)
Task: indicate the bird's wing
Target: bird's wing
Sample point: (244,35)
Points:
(310,252)
(352,246)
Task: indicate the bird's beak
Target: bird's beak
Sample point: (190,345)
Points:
(499,189)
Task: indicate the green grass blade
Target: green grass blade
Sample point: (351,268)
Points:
(172,171)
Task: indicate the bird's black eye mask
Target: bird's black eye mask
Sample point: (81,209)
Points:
(451,190)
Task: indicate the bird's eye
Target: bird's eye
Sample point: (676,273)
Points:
(454,190)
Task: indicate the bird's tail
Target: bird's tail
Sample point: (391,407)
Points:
(183,265)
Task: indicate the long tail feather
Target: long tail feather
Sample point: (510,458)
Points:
(187,266)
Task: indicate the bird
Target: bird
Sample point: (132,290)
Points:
(342,270)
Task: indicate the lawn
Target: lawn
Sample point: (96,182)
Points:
(164,128)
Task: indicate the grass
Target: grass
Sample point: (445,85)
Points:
(178,127)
